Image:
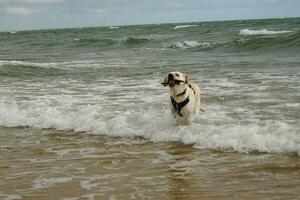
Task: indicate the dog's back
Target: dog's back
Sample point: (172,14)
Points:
(197,92)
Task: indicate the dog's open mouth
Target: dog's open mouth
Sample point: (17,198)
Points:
(172,82)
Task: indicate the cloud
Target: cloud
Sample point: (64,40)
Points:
(74,13)
(100,10)
(18,11)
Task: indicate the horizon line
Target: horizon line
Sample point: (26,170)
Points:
(124,25)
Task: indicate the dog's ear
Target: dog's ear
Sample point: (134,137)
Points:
(187,80)
(165,82)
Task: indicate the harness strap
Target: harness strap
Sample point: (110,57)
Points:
(192,88)
(178,106)
(182,93)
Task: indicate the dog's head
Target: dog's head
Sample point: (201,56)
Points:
(175,79)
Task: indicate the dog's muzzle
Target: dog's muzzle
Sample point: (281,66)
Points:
(171,81)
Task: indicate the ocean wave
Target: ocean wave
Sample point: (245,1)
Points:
(64,65)
(30,72)
(194,44)
(287,42)
(114,43)
(156,125)
(88,42)
(32,69)
(114,27)
(136,40)
(246,32)
(24,63)
(185,26)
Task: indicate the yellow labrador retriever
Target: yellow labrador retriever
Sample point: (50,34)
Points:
(185,99)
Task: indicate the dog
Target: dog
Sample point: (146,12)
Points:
(185,101)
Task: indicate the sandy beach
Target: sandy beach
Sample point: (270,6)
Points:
(48,164)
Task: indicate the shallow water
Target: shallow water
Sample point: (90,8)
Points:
(249,107)
(106,81)
(48,164)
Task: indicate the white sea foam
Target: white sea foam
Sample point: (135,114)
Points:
(91,182)
(246,32)
(11,196)
(69,64)
(46,182)
(24,63)
(192,44)
(185,26)
(70,198)
(212,130)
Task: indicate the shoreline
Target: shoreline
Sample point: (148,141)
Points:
(49,164)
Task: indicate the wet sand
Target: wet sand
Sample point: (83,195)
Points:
(51,164)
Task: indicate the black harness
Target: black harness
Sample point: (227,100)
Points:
(182,93)
(178,106)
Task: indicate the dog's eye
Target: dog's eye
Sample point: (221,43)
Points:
(176,74)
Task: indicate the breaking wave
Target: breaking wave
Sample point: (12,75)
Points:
(184,26)
(287,42)
(155,125)
(114,43)
(194,44)
(114,27)
(22,68)
(246,32)
(14,68)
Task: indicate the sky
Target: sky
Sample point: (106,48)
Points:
(44,14)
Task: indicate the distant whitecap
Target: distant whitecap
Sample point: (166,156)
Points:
(246,32)
(114,27)
(184,26)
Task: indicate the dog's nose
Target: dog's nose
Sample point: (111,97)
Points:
(170,77)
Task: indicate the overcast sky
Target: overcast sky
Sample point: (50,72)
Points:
(41,14)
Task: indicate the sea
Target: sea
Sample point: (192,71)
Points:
(83,114)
